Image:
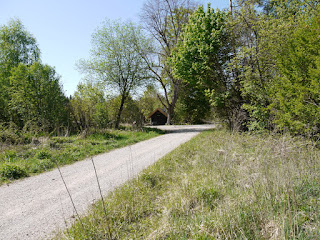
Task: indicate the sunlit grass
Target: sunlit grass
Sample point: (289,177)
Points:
(217,186)
(25,160)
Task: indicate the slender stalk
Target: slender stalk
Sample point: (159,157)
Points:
(74,207)
(103,204)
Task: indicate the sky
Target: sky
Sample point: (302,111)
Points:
(63,28)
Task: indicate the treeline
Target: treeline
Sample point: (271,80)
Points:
(254,66)
(32,98)
(257,66)
(30,91)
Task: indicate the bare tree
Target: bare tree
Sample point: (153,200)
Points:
(164,20)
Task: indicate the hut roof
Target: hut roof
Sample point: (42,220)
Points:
(158,110)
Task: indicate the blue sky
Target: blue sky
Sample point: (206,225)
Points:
(63,28)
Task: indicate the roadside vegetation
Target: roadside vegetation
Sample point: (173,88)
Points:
(217,186)
(45,152)
(254,67)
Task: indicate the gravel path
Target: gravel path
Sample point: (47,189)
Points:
(35,207)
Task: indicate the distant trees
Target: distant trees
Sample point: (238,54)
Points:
(17,46)
(88,107)
(115,61)
(36,96)
(150,100)
(30,91)
(256,69)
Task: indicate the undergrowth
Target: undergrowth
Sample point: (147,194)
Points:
(217,186)
(22,160)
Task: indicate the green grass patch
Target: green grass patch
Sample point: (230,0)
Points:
(216,186)
(23,160)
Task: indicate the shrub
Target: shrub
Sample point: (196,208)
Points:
(12,171)
(9,133)
(43,155)
(42,165)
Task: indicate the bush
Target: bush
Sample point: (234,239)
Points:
(43,155)
(9,133)
(42,165)
(12,171)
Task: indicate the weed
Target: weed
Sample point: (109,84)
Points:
(12,171)
(42,165)
(43,154)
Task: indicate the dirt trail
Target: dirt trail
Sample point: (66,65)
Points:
(35,207)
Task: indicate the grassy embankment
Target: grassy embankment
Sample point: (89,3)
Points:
(19,161)
(217,186)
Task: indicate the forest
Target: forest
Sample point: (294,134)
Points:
(252,67)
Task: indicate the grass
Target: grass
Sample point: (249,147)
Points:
(19,161)
(217,186)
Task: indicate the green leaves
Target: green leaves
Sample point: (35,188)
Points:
(16,46)
(200,60)
(88,106)
(296,92)
(36,95)
(115,60)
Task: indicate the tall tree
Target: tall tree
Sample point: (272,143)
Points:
(262,29)
(115,61)
(36,96)
(17,46)
(165,20)
(202,59)
(296,90)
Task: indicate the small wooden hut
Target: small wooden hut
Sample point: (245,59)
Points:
(158,117)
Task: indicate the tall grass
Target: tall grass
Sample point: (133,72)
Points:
(217,186)
(18,161)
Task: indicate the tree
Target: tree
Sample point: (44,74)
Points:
(131,111)
(115,61)
(36,96)
(89,107)
(201,60)
(165,20)
(296,93)
(262,29)
(17,46)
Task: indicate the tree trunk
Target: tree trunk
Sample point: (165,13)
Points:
(123,98)
(170,114)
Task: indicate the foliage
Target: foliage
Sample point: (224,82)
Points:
(263,38)
(193,105)
(164,21)
(89,107)
(130,113)
(115,61)
(30,92)
(42,155)
(150,101)
(12,171)
(36,95)
(201,60)
(296,93)
(17,46)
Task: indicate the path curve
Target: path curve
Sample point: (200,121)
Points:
(35,207)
